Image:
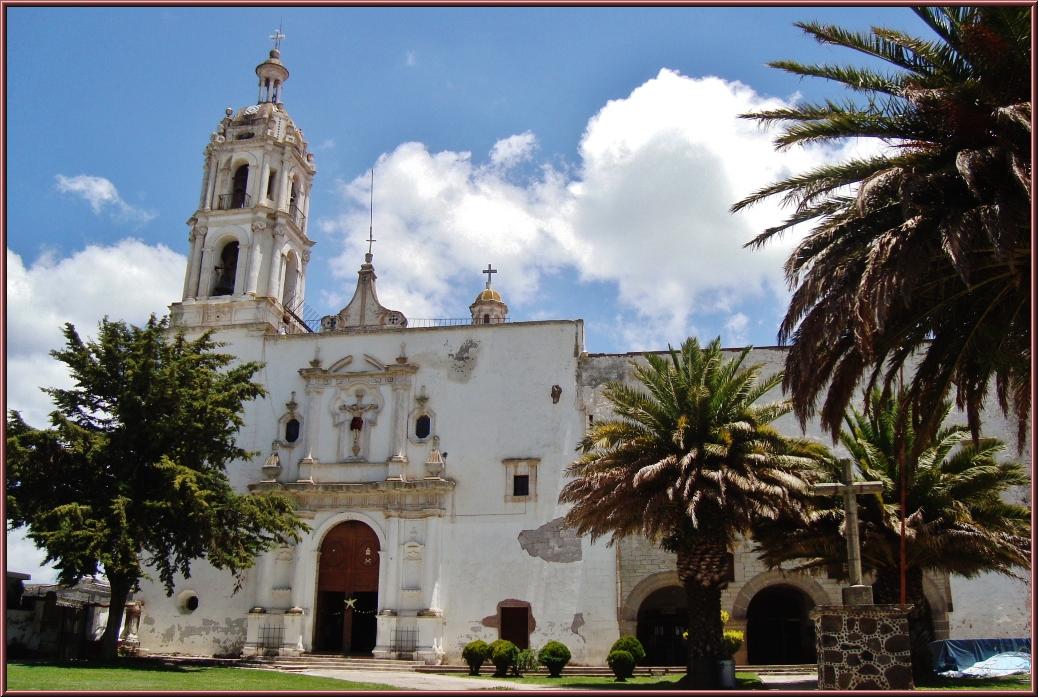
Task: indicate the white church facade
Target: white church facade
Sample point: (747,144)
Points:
(427,461)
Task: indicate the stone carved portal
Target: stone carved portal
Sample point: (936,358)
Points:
(347,590)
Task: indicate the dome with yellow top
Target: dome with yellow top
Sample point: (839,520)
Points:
(488,294)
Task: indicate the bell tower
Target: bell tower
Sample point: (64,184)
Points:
(249,247)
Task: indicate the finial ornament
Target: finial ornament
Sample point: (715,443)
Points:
(277,36)
(489,270)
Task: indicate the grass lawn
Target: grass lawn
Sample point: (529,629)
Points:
(1010,682)
(745,681)
(121,675)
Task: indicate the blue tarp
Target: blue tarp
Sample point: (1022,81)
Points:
(999,665)
(959,654)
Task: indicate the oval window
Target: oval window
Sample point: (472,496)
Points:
(292,431)
(422,426)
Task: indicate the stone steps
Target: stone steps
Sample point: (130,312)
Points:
(332,662)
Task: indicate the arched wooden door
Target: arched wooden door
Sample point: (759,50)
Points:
(347,590)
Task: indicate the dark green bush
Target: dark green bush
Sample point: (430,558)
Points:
(554,656)
(631,645)
(622,664)
(503,654)
(474,654)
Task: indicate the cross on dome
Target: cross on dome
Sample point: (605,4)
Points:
(277,36)
(489,270)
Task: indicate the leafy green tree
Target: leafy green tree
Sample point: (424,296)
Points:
(956,518)
(131,473)
(920,253)
(691,462)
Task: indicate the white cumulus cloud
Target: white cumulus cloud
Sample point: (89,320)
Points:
(128,280)
(513,150)
(103,197)
(646,208)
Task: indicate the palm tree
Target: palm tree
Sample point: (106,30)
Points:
(956,520)
(920,254)
(691,462)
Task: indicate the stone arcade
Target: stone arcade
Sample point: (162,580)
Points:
(414,553)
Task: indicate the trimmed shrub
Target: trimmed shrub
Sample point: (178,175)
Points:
(554,656)
(474,654)
(631,645)
(525,661)
(622,664)
(503,655)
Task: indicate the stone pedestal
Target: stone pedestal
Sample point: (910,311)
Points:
(863,647)
(254,621)
(292,639)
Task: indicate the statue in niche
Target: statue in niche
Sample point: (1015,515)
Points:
(351,419)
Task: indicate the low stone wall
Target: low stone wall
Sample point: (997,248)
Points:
(863,647)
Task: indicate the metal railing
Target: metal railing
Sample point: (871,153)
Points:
(271,636)
(404,640)
(297,215)
(449,321)
(232,201)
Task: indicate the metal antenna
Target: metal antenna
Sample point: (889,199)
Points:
(371,213)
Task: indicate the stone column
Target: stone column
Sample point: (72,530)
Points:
(195,237)
(214,174)
(863,647)
(393,564)
(313,399)
(273,244)
(259,238)
(206,168)
(398,434)
(304,562)
(240,271)
(205,280)
(264,596)
(431,563)
(292,640)
(264,173)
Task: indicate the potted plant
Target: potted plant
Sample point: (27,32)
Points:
(731,641)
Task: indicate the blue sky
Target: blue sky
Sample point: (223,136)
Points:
(590,154)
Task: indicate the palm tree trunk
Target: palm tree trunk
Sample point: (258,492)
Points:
(920,617)
(702,583)
(120,591)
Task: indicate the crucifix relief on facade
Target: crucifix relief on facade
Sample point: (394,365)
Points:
(354,419)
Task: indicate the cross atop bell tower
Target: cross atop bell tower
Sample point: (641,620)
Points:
(249,245)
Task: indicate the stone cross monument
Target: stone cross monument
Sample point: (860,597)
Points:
(861,646)
(858,593)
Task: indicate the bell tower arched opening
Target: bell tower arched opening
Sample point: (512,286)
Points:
(226,270)
(239,187)
(662,618)
(778,629)
(347,590)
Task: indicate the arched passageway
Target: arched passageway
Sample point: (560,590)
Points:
(347,590)
(778,629)
(662,617)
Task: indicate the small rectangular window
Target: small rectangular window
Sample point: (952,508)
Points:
(521,485)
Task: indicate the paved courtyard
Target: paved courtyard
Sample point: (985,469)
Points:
(408,680)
